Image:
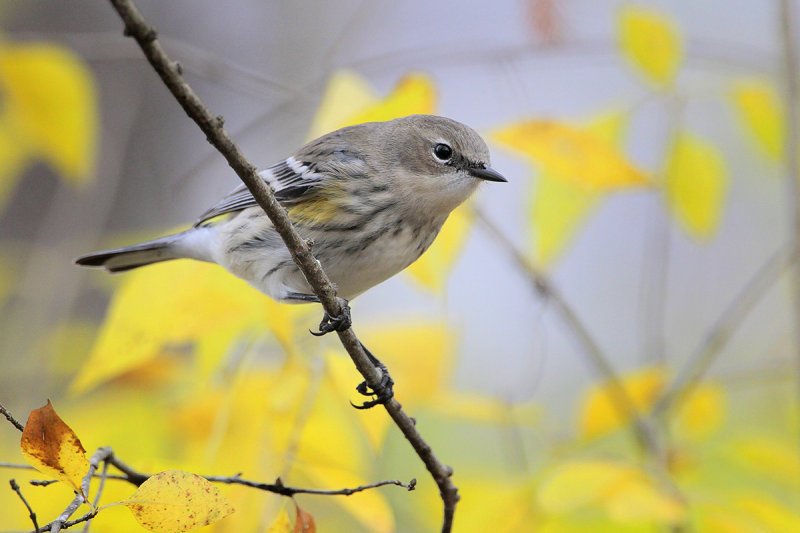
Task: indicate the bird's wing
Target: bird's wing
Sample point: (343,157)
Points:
(290,180)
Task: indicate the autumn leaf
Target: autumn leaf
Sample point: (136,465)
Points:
(760,112)
(768,456)
(174,501)
(773,515)
(51,447)
(578,166)
(600,413)
(702,412)
(576,154)
(651,43)
(49,106)
(176,303)
(558,210)
(282,523)
(696,183)
(623,491)
(304,522)
(349,100)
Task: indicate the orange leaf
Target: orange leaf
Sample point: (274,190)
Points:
(52,447)
(304,522)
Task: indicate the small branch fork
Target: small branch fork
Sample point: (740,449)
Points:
(106,457)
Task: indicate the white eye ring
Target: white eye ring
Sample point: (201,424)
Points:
(442,152)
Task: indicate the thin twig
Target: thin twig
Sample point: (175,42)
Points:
(136,478)
(11,418)
(61,522)
(591,349)
(279,488)
(791,140)
(15,487)
(696,366)
(68,524)
(100,487)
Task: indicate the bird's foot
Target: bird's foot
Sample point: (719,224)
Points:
(335,323)
(383,392)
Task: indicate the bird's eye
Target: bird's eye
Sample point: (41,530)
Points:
(442,152)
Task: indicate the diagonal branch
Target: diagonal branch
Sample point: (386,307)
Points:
(620,398)
(170,74)
(791,160)
(728,323)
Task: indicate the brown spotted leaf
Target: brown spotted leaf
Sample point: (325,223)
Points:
(51,447)
(304,522)
(174,501)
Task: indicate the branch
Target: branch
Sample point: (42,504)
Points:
(594,354)
(170,73)
(792,137)
(137,478)
(279,488)
(696,366)
(11,418)
(31,514)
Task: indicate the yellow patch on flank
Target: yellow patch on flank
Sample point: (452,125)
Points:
(313,211)
(324,207)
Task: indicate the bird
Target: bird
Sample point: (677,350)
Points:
(371,197)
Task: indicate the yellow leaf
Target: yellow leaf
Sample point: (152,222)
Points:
(600,413)
(346,95)
(561,203)
(626,493)
(575,484)
(768,455)
(51,447)
(702,412)
(558,211)
(476,408)
(49,96)
(651,42)
(638,499)
(775,516)
(760,112)
(501,504)
(282,523)
(174,501)
(419,355)
(172,304)
(415,93)
(696,183)
(433,267)
(718,518)
(583,157)
(350,100)
(345,377)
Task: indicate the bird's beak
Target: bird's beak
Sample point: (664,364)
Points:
(486,173)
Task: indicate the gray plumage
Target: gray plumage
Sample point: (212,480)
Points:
(372,197)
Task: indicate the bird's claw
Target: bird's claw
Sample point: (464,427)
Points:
(335,323)
(383,392)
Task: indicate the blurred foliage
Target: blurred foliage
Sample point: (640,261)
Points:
(49,112)
(194,370)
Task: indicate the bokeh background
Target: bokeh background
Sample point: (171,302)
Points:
(639,259)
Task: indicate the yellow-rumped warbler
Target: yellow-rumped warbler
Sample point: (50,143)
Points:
(371,197)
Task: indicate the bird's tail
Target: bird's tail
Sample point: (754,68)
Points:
(176,246)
